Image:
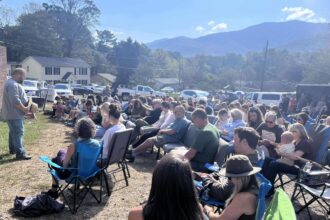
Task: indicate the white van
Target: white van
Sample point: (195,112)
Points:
(267,98)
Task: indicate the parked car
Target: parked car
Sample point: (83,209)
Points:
(267,98)
(167,89)
(98,89)
(30,87)
(124,93)
(81,91)
(196,95)
(63,90)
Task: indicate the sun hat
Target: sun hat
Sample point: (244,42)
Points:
(237,166)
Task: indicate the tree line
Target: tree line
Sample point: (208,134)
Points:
(66,28)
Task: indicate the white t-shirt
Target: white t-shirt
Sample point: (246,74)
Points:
(107,137)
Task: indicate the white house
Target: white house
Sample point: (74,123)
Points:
(54,70)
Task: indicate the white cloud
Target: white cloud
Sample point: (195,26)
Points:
(199,29)
(303,14)
(211,23)
(219,27)
(212,27)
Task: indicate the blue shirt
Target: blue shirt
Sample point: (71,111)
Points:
(230,128)
(180,126)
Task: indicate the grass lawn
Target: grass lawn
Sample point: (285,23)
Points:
(32,131)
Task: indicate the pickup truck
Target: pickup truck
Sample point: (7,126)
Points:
(124,93)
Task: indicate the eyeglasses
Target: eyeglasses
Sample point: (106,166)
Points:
(269,122)
(229,178)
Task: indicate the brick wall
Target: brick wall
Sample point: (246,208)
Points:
(3,71)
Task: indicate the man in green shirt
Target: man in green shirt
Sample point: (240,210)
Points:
(205,145)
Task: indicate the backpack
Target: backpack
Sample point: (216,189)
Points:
(36,206)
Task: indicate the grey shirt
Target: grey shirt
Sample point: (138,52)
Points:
(13,94)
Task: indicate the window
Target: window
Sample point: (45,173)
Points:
(57,71)
(84,82)
(255,97)
(48,71)
(189,93)
(75,71)
(57,81)
(270,97)
(140,88)
(28,69)
(148,89)
(78,81)
(82,71)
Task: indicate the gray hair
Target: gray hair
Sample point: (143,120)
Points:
(271,115)
(236,114)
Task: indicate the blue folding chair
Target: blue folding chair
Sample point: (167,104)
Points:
(83,173)
(264,187)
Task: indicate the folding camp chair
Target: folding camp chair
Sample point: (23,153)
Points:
(280,207)
(264,187)
(318,190)
(83,173)
(116,154)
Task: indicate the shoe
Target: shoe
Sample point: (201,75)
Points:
(129,156)
(52,193)
(24,157)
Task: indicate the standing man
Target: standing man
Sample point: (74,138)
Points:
(13,111)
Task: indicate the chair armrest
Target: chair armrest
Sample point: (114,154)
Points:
(47,160)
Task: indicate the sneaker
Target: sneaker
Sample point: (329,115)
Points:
(52,193)
(23,157)
(129,156)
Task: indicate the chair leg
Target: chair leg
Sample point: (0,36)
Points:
(158,153)
(106,182)
(124,172)
(128,173)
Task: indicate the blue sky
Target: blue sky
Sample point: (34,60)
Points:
(148,20)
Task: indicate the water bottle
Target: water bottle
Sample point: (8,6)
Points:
(308,166)
(206,195)
(215,167)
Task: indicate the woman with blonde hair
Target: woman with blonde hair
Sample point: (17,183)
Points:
(242,204)
(303,149)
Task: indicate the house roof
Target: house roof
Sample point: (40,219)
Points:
(167,81)
(60,62)
(107,76)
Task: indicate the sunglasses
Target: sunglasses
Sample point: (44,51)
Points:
(269,122)
(229,178)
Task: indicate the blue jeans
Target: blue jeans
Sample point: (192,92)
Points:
(16,131)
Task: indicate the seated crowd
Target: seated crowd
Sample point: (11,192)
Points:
(250,130)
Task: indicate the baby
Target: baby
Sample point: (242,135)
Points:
(286,146)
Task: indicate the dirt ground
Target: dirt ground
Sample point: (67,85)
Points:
(28,178)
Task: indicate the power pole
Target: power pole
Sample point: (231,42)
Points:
(180,72)
(264,68)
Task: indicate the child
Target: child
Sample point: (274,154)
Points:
(60,107)
(286,146)
(222,119)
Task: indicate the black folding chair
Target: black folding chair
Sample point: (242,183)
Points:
(116,154)
(318,189)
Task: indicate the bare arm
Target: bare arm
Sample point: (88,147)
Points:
(243,203)
(135,214)
(167,131)
(191,153)
(294,155)
(69,154)
(22,108)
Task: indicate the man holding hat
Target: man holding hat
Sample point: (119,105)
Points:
(14,107)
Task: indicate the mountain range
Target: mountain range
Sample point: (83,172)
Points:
(290,35)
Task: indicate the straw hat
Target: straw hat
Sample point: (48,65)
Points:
(239,165)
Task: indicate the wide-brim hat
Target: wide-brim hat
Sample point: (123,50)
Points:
(238,166)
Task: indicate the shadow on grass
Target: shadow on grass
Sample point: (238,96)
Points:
(6,158)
